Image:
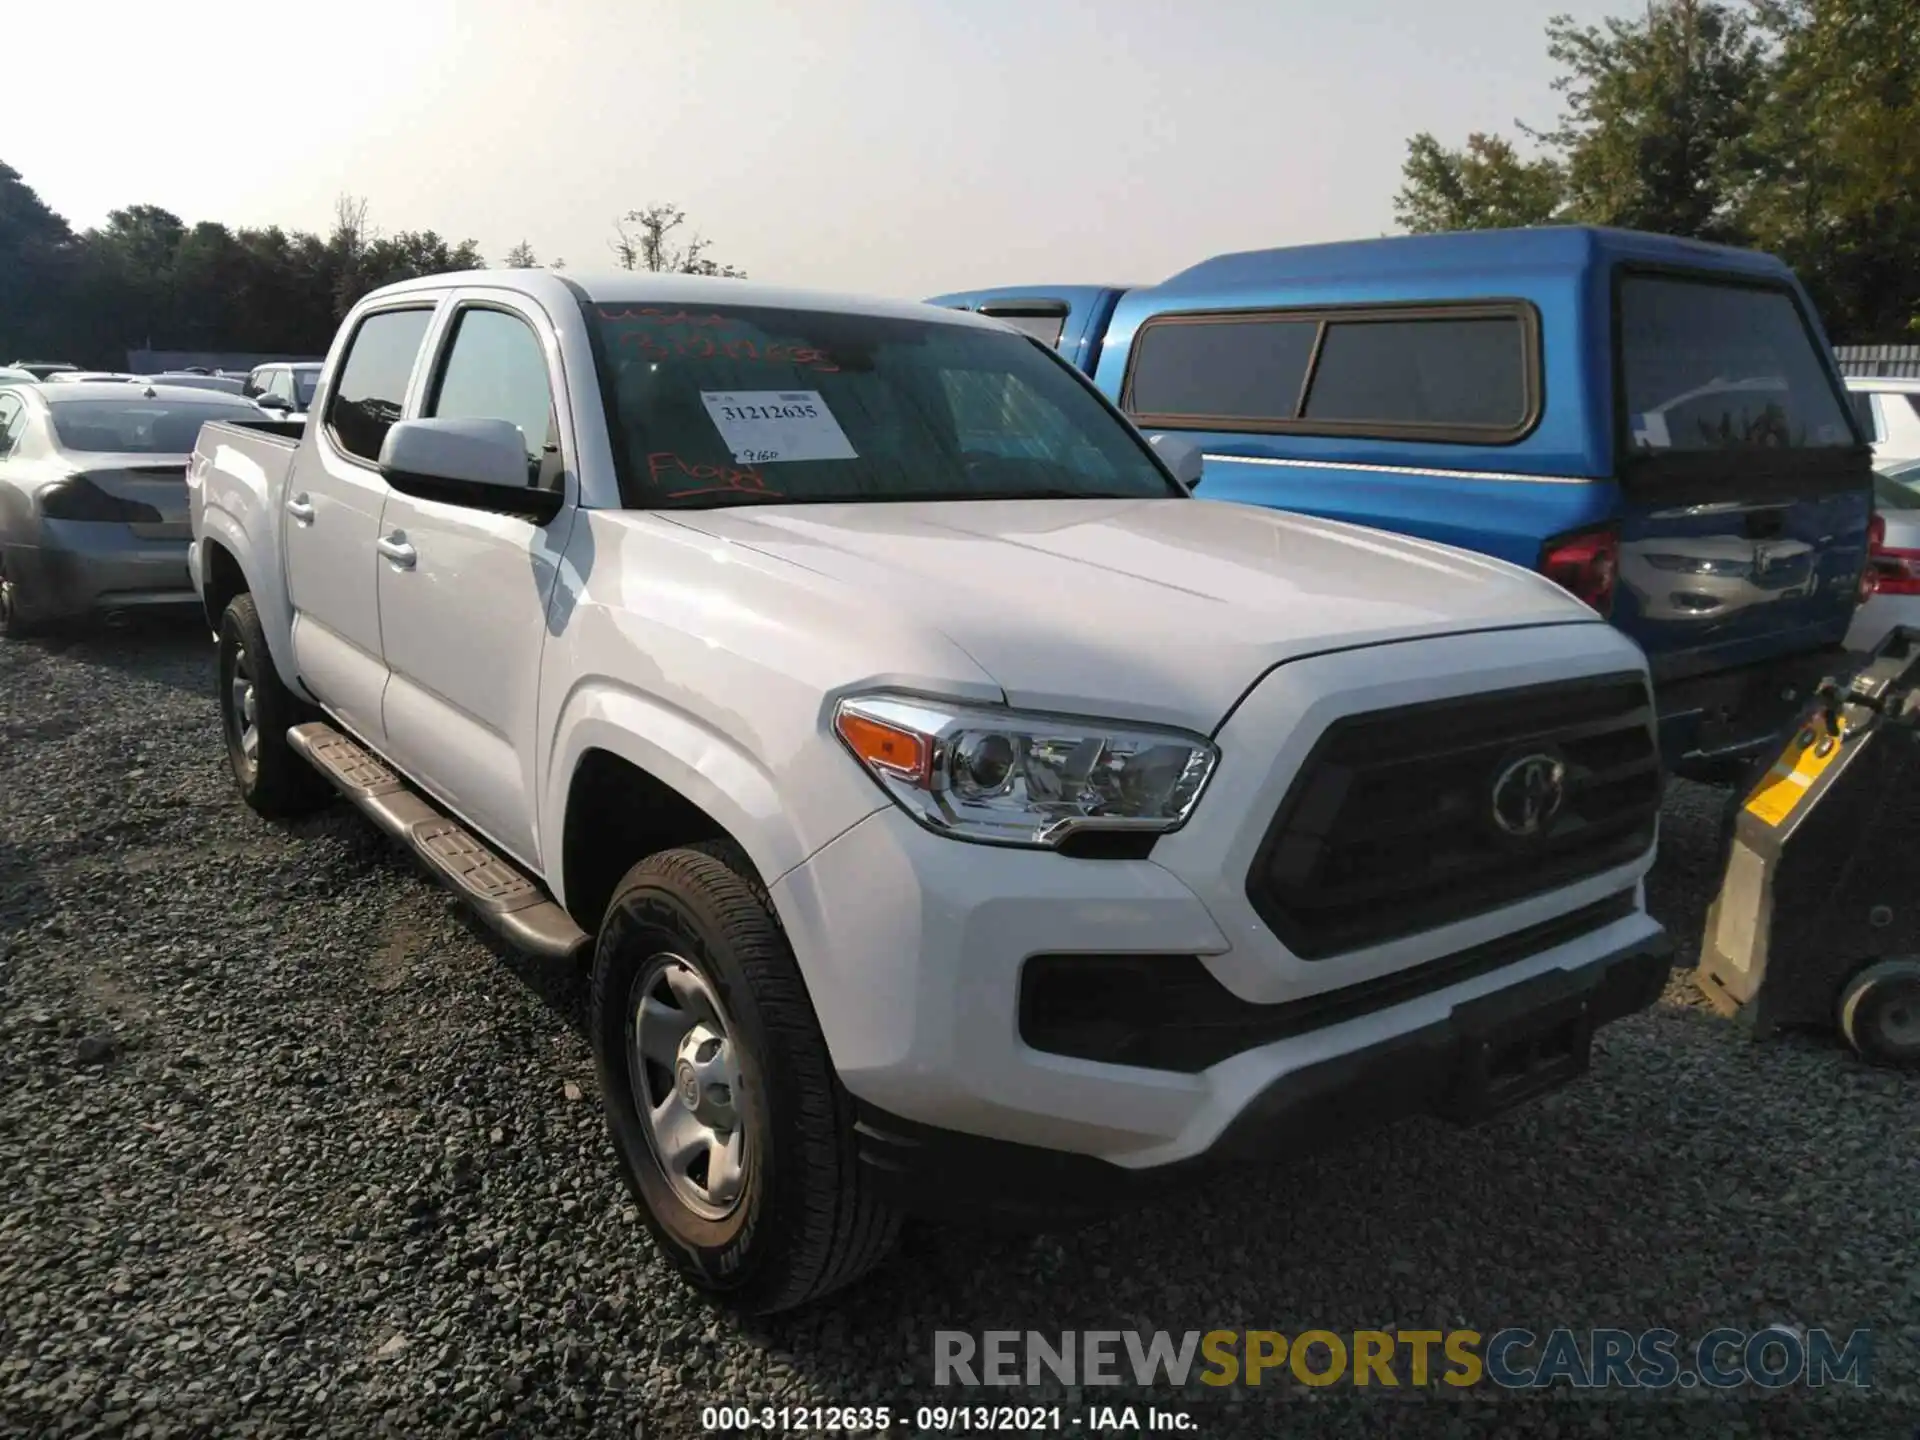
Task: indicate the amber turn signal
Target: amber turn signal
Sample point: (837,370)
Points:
(886,747)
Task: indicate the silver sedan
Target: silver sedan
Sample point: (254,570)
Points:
(93,496)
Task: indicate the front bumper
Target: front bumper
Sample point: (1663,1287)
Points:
(78,568)
(913,945)
(1459,1068)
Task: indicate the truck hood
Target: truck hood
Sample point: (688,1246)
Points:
(1150,610)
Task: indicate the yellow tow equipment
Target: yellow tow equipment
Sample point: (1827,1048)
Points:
(1817,922)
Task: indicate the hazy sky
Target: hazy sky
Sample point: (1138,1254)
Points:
(897,146)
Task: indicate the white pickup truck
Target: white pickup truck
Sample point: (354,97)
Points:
(957,813)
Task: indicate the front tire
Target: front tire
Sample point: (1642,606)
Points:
(256,711)
(734,1133)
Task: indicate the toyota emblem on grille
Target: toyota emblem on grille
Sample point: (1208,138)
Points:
(1528,794)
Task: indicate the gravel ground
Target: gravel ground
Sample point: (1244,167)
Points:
(289,1147)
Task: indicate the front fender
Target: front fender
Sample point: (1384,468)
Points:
(779,816)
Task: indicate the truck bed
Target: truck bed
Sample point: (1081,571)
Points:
(278,431)
(236,479)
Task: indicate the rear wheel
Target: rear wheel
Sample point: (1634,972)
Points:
(1880,1013)
(256,711)
(734,1132)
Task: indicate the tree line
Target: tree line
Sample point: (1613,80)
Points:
(148,280)
(1791,126)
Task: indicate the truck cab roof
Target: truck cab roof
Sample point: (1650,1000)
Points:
(623,287)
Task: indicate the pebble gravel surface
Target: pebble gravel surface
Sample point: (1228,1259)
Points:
(290,1147)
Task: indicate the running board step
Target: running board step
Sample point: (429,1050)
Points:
(502,895)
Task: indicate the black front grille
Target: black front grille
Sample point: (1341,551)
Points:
(1390,828)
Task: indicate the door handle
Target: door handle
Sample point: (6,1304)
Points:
(396,549)
(300,508)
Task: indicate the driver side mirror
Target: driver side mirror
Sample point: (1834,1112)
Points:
(481,464)
(273,402)
(1182,457)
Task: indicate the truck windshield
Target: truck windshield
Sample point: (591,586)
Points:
(737,405)
(1722,367)
(137,427)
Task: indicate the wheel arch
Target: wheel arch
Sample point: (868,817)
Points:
(228,567)
(616,814)
(632,777)
(222,580)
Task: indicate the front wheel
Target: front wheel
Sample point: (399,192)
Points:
(256,711)
(734,1132)
(1880,1013)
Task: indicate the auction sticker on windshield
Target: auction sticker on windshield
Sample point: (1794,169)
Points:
(762,427)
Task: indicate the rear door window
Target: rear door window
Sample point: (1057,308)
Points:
(1710,366)
(371,394)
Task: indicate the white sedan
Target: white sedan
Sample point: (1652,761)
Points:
(1896,557)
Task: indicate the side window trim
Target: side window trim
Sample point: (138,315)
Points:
(1322,316)
(438,351)
(409,403)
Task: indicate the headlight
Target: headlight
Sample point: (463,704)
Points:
(1014,779)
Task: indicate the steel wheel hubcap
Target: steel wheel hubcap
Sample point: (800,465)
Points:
(242,708)
(682,1066)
